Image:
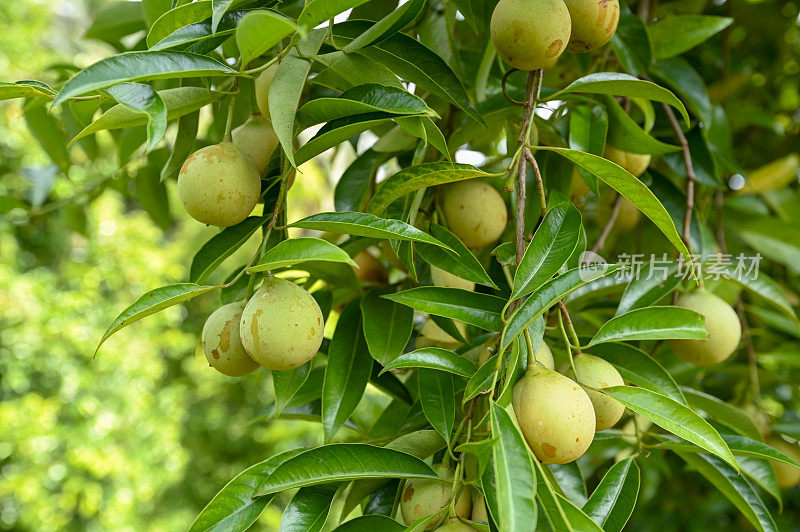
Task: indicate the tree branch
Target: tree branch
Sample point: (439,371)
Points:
(601,240)
(690,175)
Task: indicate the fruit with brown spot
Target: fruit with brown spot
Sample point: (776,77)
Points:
(281,325)
(594,22)
(555,415)
(219,185)
(257,140)
(424,497)
(594,372)
(222,344)
(722,324)
(530,34)
(475,212)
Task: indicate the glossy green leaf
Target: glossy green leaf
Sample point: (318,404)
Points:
(344,461)
(298,250)
(762,285)
(552,244)
(612,502)
(363,224)
(631,43)
(739,446)
(201,34)
(630,187)
(337,131)
(348,371)
(560,512)
(672,416)
(387,325)
(142,99)
(588,129)
(177,18)
(351,189)
(116,20)
(361,99)
(308,509)
(480,310)
(725,413)
(390,24)
(624,133)
(373,523)
(183,145)
(287,383)
(316,12)
(349,70)
(46,129)
(152,302)
(481,380)
(570,480)
(24,89)
(460,262)
(421,176)
(259,31)
(677,73)
(674,35)
(433,358)
(437,398)
(218,10)
(650,285)
(652,323)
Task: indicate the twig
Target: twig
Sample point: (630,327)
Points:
(537,174)
(601,240)
(690,175)
(750,349)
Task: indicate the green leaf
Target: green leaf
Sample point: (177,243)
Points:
(24,89)
(481,381)
(651,284)
(352,187)
(631,43)
(373,523)
(308,509)
(259,31)
(221,246)
(391,385)
(734,487)
(672,416)
(218,10)
(462,262)
(142,99)
(183,146)
(630,187)
(361,99)
(437,398)
(547,295)
(612,502)
(433,358)
(624,133)
(552,245)
(348,371)
(387,26)
(337,131)
(152,302)
(561,513)
(179,101)
(652,323)
(298,250)
(352,69)
(514,504)
(418,177)
(115,21)
(177,18)
(480,310)
(201,32)
(236,507)
(739,446)
(674,35)
(677,73)
(762,285)
(287,383)
(638,367)
(570,479)
(412,61)
(387,325)
(618,84)
(316,12)
(135,66)
(344,461)
(725,413)
(368,225)
(588,128)
(47,131)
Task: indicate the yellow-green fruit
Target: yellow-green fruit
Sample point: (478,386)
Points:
(634,163)
(593,23)
(222,344)
(370,269)
(578,188)
(475,212)
(219,185)
(431,335)
(627,218)
(281,325)
(787,475)
(257,140)
(262,85)
(722,324)
(479,509)
(448,280)
(530,34)
(454,525)
(594,372)
(425,497)
(555,415)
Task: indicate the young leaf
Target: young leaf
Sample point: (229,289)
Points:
(298,250)
(674,417)
(433,358)
(437,397)
(552,244)
(420,176)
(612,502)
(260,30)
(152,302)
(308,509)
(480,310)
(348,371)
(674,35)
(368,225)
(652,323)
(135,66)
(344,461)
(460,262)
(387,325)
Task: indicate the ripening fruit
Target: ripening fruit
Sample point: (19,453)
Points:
(594,372)
(530,34)
(222,345)
(555,415)
(281,325)
(628,216)
(578,189)
(257,140)
(479,509)
(262,85)
(424,497)
(543,356)
(448,280)
(219,185)
(722,324)
(454,525)
(634,163)
(370,269)
(787,475)
(593,23)
(475,212)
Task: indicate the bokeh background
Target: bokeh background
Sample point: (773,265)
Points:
(142,436)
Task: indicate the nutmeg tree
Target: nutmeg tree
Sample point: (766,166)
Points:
(548,277)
